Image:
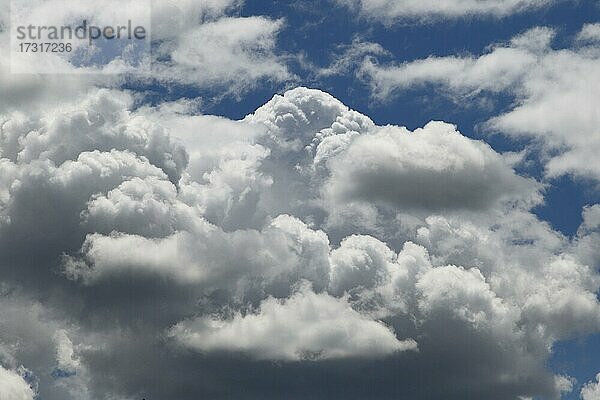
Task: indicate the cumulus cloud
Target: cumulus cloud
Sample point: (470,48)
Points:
(350,166)
(525,68)
(157,235)
(350,56)
(589,33)
(462,292)
(227,51)
(20,91)
(435,168)
(200,43)
(591,390)
(587,237)
(360,262)
(467,74)
(463,75)
(36,348)
(67,363)
(13,386)
(591,218)
(393,10)
(205,254)
(305,326)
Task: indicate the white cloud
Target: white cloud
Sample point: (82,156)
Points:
(378,281)
(152,243)
(586,241)
(461,292)
(554,91)
(305,326)
(556,292)
(360,261)
(97,121)
(65,354)
(29,354)
(302,117)
(202,43)
(357,172)
(31,91)
(171,18)
(392,10)
(203,227)
(591,390)
(196,42)
(227,51)
(145,206)
(200,253)
(13,386)
(565,384)
(589,33)
(433,168)
(350,56)
(498,70)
